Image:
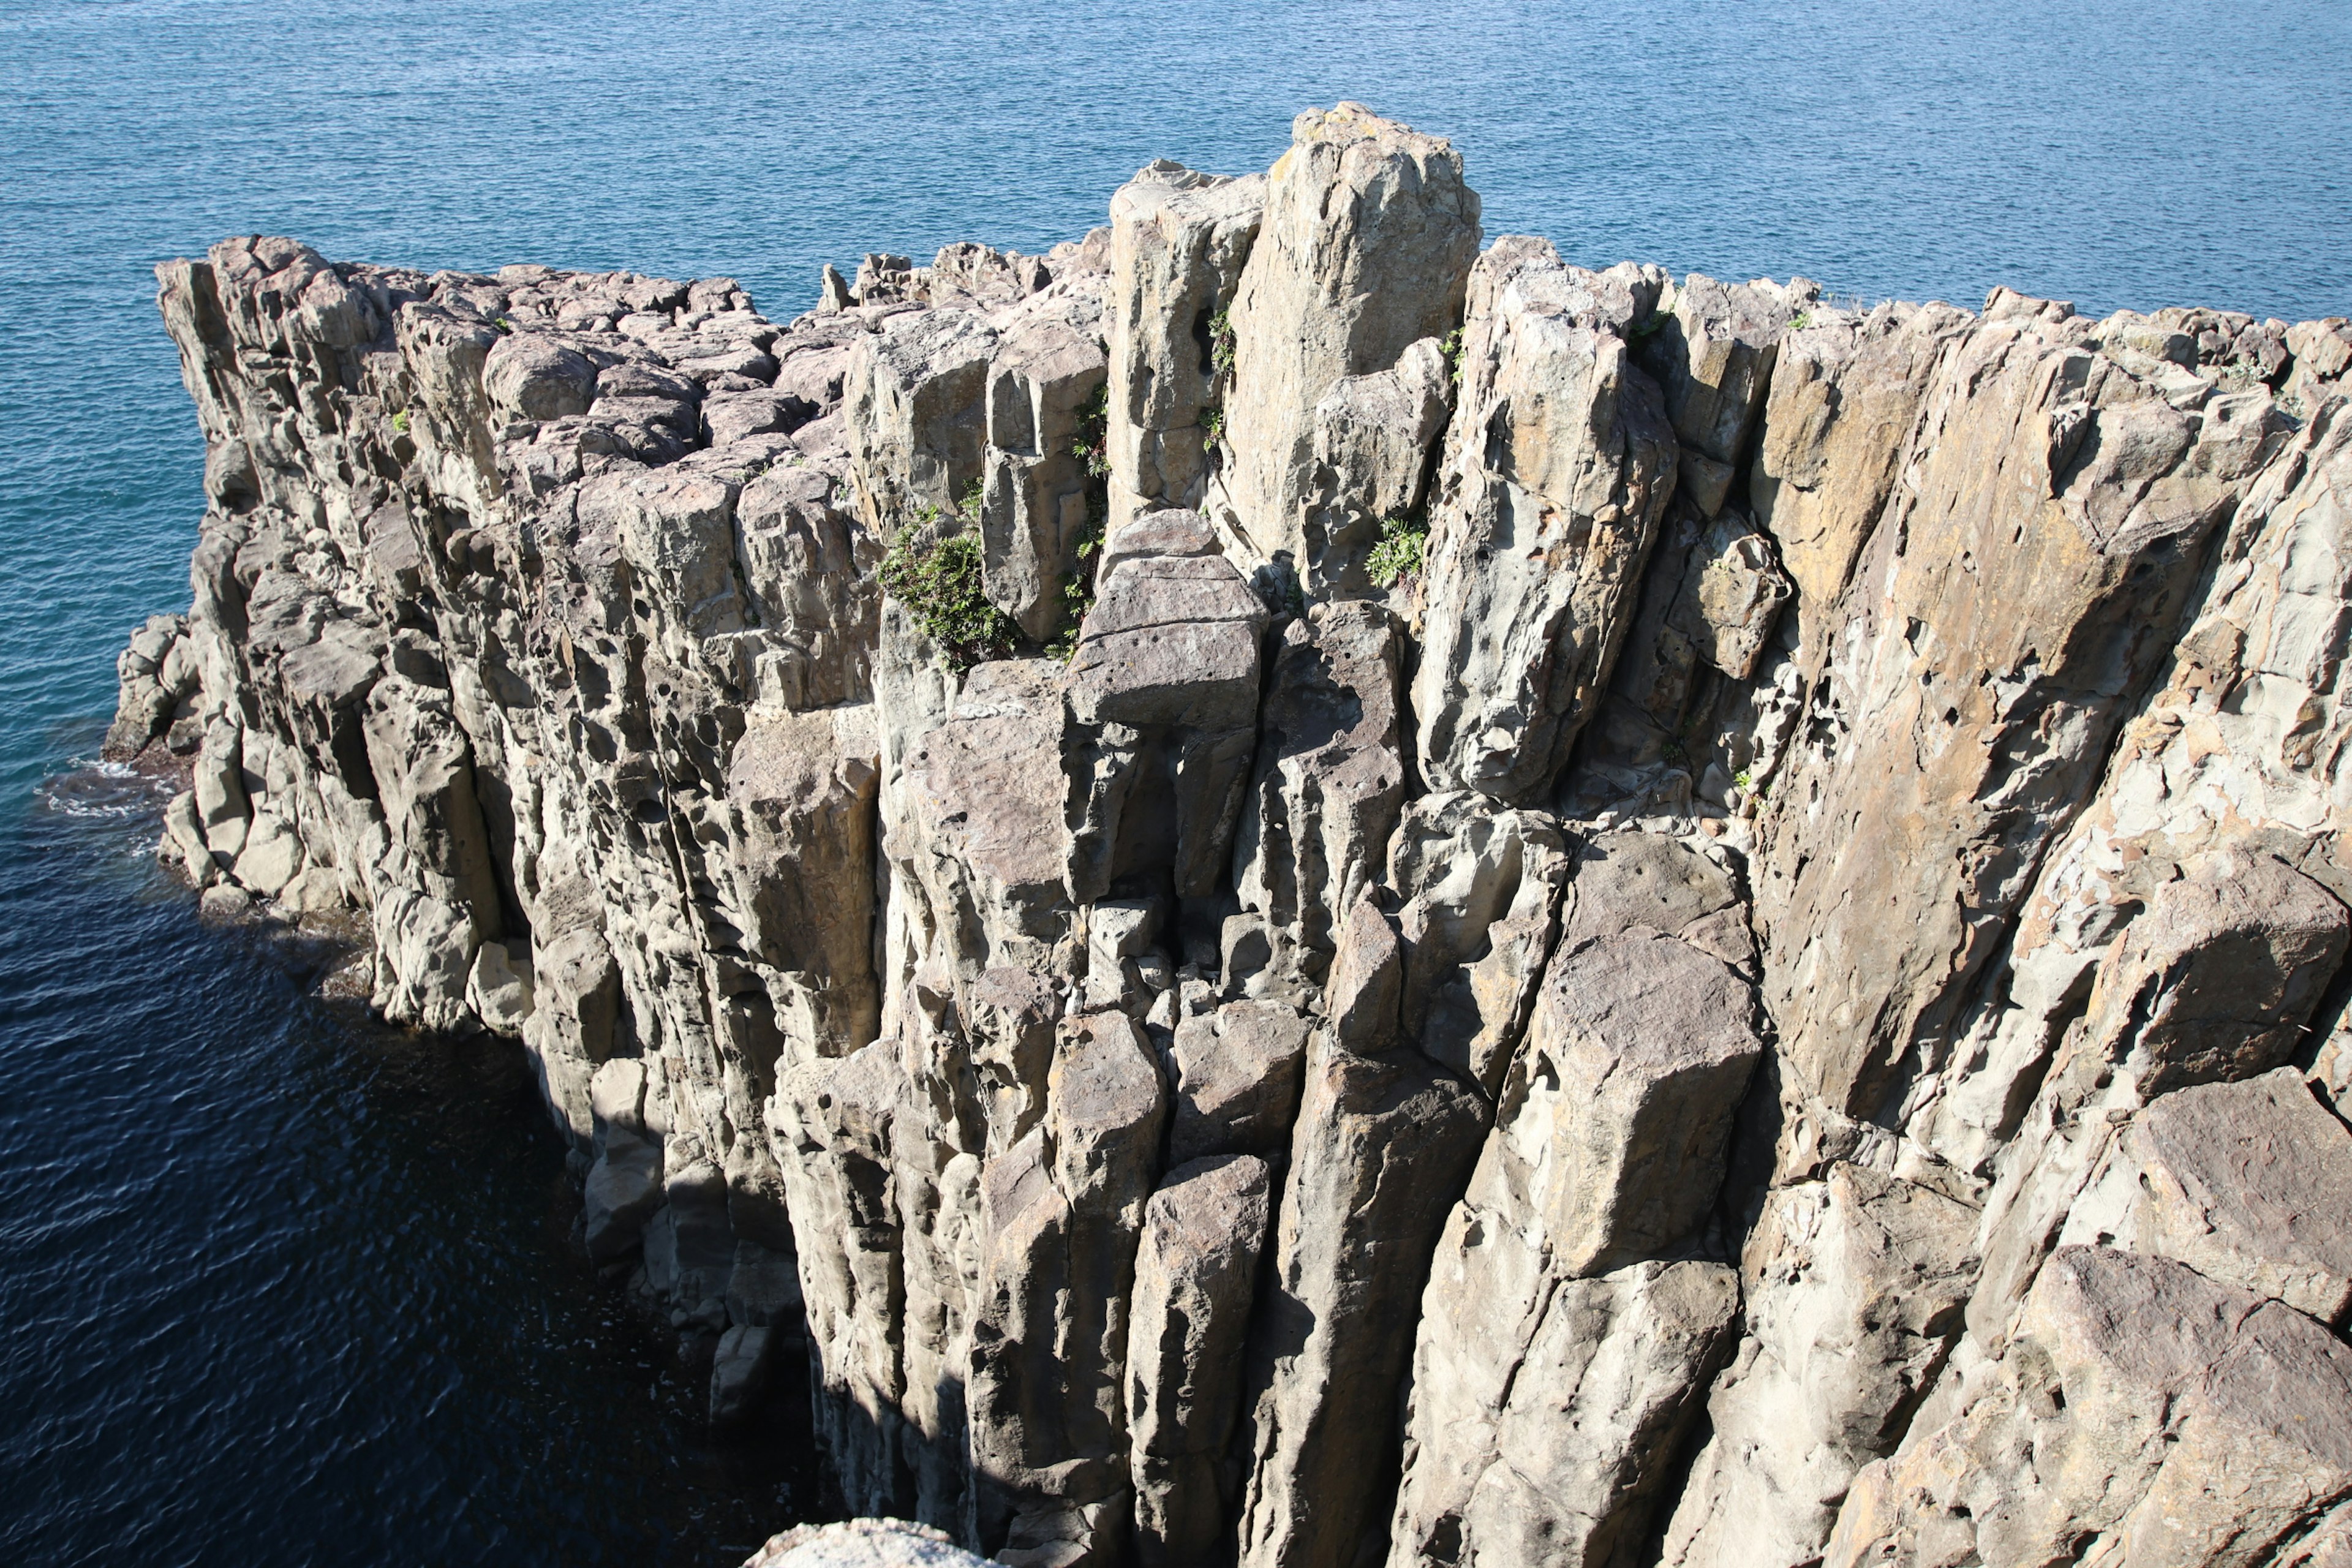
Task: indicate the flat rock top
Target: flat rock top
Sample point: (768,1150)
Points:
(1648,1003)
(2163,1332)
(2261,1163)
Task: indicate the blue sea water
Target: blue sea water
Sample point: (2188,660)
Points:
(278,1287)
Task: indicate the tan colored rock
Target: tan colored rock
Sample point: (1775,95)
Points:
(1731,594)
(2144,1415)
(808,564)
(1064,1210)
(1557,1455)
(1330,777)
(1039,492)
(916,397)
(804,787)
(1853,1290)
(2016,598)
(1712,355)
(1179,239)
(2212,981)
(1368,463)
(2249,1183)
(1164,693)
(1556,470)
(1382,1148)
(1195,1273)
(1237,1080)
(1482,890)
(830,1122)
(1367,236)
(1844,393)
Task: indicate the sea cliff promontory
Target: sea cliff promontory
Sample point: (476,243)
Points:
(1301,892)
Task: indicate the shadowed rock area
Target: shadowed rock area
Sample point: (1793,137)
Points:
(1299,891)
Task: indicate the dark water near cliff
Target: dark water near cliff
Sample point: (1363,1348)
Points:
(278,1288)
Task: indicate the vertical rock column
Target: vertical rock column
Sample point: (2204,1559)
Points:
(1179,238)
(1560,1357)
(1557,468)
(1368,237)
(1384,1140)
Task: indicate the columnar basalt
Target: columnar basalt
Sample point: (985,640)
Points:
(1780,999)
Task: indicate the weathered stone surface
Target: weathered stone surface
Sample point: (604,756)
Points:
(1195,1273)
(1854,1287)
(1712,355)
(1330,777)
(916,395)
(2210,982)
(1381,1151)
(1556,470)
(625,1188)
(1546,1397)
(1845,392)
(1557,1456)
(1482,888)
(1179,239)
(2019,595)
(2145,1414)
(1064,1211)
(804,787)
(739,1373)
(1367,236)
(2249,1183)
(1367,462)
(1237,1080)
(1039,491)
(1163,687)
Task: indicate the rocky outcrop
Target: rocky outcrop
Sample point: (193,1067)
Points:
(1296,895)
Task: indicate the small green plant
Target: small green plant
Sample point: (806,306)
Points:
(400,420)
(1399,554)
(1078,590)
(1451,347)
(940,584)
(1745,780)
(1213,425)
(2291,406)
(1800,320)
(1658,319)
(1087,444)
(1221,342)
(975,493)
(503,324)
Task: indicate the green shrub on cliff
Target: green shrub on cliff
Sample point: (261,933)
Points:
(1090,444)
(1403,546)
(940,584)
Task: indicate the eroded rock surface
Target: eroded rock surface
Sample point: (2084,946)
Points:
(1778,998)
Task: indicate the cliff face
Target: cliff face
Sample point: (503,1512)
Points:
(1767,993)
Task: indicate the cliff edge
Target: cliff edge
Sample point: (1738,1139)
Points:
(1304,894)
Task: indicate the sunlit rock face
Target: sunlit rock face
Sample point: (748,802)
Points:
(1298,894)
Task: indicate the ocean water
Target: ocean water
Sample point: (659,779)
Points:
(278,1287)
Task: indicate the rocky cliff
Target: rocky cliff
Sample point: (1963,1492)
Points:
(1304,894)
